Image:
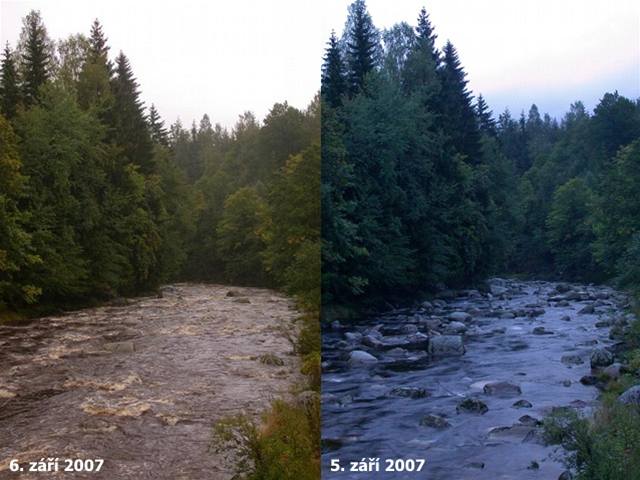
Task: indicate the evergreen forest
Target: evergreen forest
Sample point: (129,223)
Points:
(424,187)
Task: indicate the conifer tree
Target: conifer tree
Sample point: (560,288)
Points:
(333,81)
(94,85)
(362,44)
(130,130)
(456,104)
(486,123)
(426,35)
(36,59)
(156,125)
(9,88)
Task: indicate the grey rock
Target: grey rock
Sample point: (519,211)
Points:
(455,328)
(472,405)
(409,392)
(359,357)
(601,358)
(445,345)
(502,389)
(631,396)
(353,336)
(587,310)
(572,360)
(541,331)
(120,347)
(434,421)
(522,404)
(459,316)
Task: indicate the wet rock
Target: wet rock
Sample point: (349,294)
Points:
(507,315)
(409,392)
(232,293)
(353,336)
(120,347)
(336,325)
(562,288)
(588,310)
(589,380)
(566,383)
(478,465)
(271,359)
(502,389)
(522,404)
(360,357)
(459,317)
(372,341)
(613,371)
(472,405)
(572,360)
(535,312)
(445,345)
(541,331)
(434,421)
(241,300)
(631,396)
(455,328)
(529,421)
(516,433)
(566,475)
(565,318)
(415,341)
(601,358)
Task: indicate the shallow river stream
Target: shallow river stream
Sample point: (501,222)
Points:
(527,346)
(140,385)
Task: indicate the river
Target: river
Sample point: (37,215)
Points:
(527,346)
(140,385)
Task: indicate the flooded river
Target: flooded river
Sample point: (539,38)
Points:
(140,385)
(463,380)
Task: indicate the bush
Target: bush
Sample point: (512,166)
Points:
(284,448)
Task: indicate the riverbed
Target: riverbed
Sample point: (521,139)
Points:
(468,403)
(140,383)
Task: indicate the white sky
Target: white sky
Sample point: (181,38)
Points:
(195,57)
(225,57)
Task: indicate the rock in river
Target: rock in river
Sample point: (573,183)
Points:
(446,345)
(434,421)
(459,316)
(472,405)
(502,389)
(358,357)
(601,358)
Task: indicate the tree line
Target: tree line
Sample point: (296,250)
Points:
(99,199)
(422,187)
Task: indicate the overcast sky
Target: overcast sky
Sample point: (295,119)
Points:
(195,57)
(225,57)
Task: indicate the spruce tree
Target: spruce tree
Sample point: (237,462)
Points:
(156,125)
(94,85)
(486,122)
(456,104)
(333,81)
(35,56)
(9,88)
(130,131)
(426,35)
(362,44)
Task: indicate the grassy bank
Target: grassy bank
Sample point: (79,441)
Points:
(605,446)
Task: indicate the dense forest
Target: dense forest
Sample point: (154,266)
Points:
(424,187)
(99,199)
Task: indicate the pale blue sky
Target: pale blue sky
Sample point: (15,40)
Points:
(225,57)
(550,52)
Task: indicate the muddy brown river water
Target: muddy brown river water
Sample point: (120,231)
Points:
(140,385)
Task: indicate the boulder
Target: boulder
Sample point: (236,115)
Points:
(434,421)
(472,405)
(409,392)
(522,404)
(360,357)
(587,310)
(456,328)
(541,331)
(353,336)
(631,396)
(444,345)
(601,358)
(572,360)
(459,316)
(502,389)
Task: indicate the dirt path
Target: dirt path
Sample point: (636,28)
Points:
(140,385)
